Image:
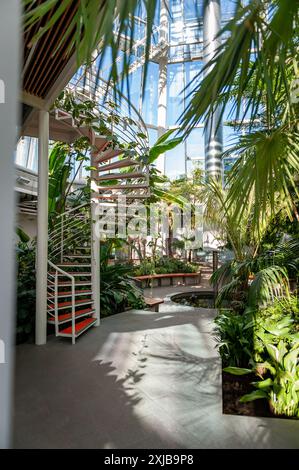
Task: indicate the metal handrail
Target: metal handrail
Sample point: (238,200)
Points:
(99,83)
(68,221)
(72,278)
(69,211)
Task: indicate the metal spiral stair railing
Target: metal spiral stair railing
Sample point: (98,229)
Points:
(70,294)
(71,279)
(124,146)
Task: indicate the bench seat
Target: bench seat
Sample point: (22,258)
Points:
(153,303)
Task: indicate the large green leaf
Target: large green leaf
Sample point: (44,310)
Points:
(256,395)
(263,384)
(237,370)
(161,147)
(251,61)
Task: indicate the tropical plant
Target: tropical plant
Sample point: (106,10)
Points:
(118,290)
(62,161)
(260,277)
(282,387)
(252,74)
(275,322)
(234,338)
(164,265)
(26,294)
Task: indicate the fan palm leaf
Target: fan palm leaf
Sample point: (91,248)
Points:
(260,40)
(265,174)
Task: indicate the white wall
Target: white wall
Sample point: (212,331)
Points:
(28,223)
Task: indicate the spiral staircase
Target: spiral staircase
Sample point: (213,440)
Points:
(73,252)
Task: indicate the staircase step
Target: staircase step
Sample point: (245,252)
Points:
(66,317)
(77,256)
(99,140)
(69,293)
(119,164)
(71,264)
(123,186)
(113,197)
(82,248)
(77,283)
(120,176)
(100,143)
(80,327)
(63,305)
(78,273)
(108,155)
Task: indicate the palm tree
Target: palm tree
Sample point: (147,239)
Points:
(254,276)
(257,60)
(256,64)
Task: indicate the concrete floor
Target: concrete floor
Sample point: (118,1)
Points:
(140,380)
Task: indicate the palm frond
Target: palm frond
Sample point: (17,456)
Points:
(258,42)
(226,291)
(264,175)
(269,283)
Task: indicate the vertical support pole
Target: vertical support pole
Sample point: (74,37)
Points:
(42,229)
(95,244)
(162,81)
(56,303)
(10,27)
(73,312)
(213,131)
(62,238)
(162,107)
(215,261)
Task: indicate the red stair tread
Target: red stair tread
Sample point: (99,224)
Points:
(66,316)
(68,293)
(72,263)
(77,302)
(78,327)
(76,273)
(77,283)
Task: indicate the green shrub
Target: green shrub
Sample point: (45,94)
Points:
(164,265)
(234,337)
(119,291)
(26,293)
(278,321)
(273,354)
(281,387)
(145,268)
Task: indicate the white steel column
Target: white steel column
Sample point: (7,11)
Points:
(95,245)
(42,229)
(162,83)
(213,132)
(10,27)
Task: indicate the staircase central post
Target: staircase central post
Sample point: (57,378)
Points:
(95,243)
(42,229)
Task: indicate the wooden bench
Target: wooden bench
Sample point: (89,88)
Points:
(153,303)
(170,276)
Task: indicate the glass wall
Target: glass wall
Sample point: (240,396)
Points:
(26,154)
(183,54)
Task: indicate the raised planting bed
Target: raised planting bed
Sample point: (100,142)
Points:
(234,387)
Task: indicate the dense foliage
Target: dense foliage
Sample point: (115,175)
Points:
(118,289)
(164,265)
(25,291)
(266,342)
